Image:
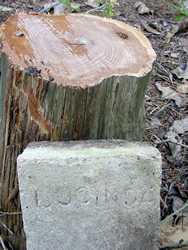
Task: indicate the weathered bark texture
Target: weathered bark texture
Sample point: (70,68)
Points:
(33,108)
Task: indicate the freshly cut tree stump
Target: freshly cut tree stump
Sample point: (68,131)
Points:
(67,77)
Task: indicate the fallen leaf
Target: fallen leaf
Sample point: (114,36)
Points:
(177,203)
(174,190)
(155,122)
(181,72)
(93,3)
(180,126)
(174,141)
(181,27)
(184,42)
(5,9)
(149,29)
(56,8)
(183,88)
(142,8)
(170,34)
(170,94)
(174,55)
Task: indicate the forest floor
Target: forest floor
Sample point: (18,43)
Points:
(166,101)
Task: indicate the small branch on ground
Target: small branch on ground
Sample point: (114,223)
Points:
(100,8)
(175,213)
(3,244)
(6,228)
(163,202)
(179,244)
(177,143)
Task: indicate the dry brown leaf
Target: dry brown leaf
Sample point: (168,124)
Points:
(142,8)
(183,88)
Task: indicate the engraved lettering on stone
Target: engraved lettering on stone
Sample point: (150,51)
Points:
(82,195)
(133,198)
(86,195)
(36,198)
(45,198)
(63,195)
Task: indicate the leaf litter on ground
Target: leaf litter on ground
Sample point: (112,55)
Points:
(142,8)
(181,72)
(174,137)
(170,94)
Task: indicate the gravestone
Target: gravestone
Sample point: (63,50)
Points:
(90,195)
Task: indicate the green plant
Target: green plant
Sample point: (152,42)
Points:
(66,3)
(75,7)
(71,6)
(181,11)
(109,8)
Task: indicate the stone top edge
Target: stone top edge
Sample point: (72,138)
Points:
(91,148)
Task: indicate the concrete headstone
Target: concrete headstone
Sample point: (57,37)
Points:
(90,195)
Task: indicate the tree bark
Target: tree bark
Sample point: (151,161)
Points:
(34,107)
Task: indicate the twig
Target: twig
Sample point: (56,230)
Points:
(177,143)
(182,220)
(154,110)
(175,213)
(163,202)
(164,70)
(2,243)
(6,228)
(181,144)
(100,8)
(159,140)
(163,77)
(179,244)
(157,112)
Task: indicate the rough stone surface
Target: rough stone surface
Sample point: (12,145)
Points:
(91,195)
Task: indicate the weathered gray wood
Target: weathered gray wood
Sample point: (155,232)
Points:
(34,109)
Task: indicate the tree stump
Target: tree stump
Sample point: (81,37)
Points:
(66,77)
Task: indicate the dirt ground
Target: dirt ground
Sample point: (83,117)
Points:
(166,101)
